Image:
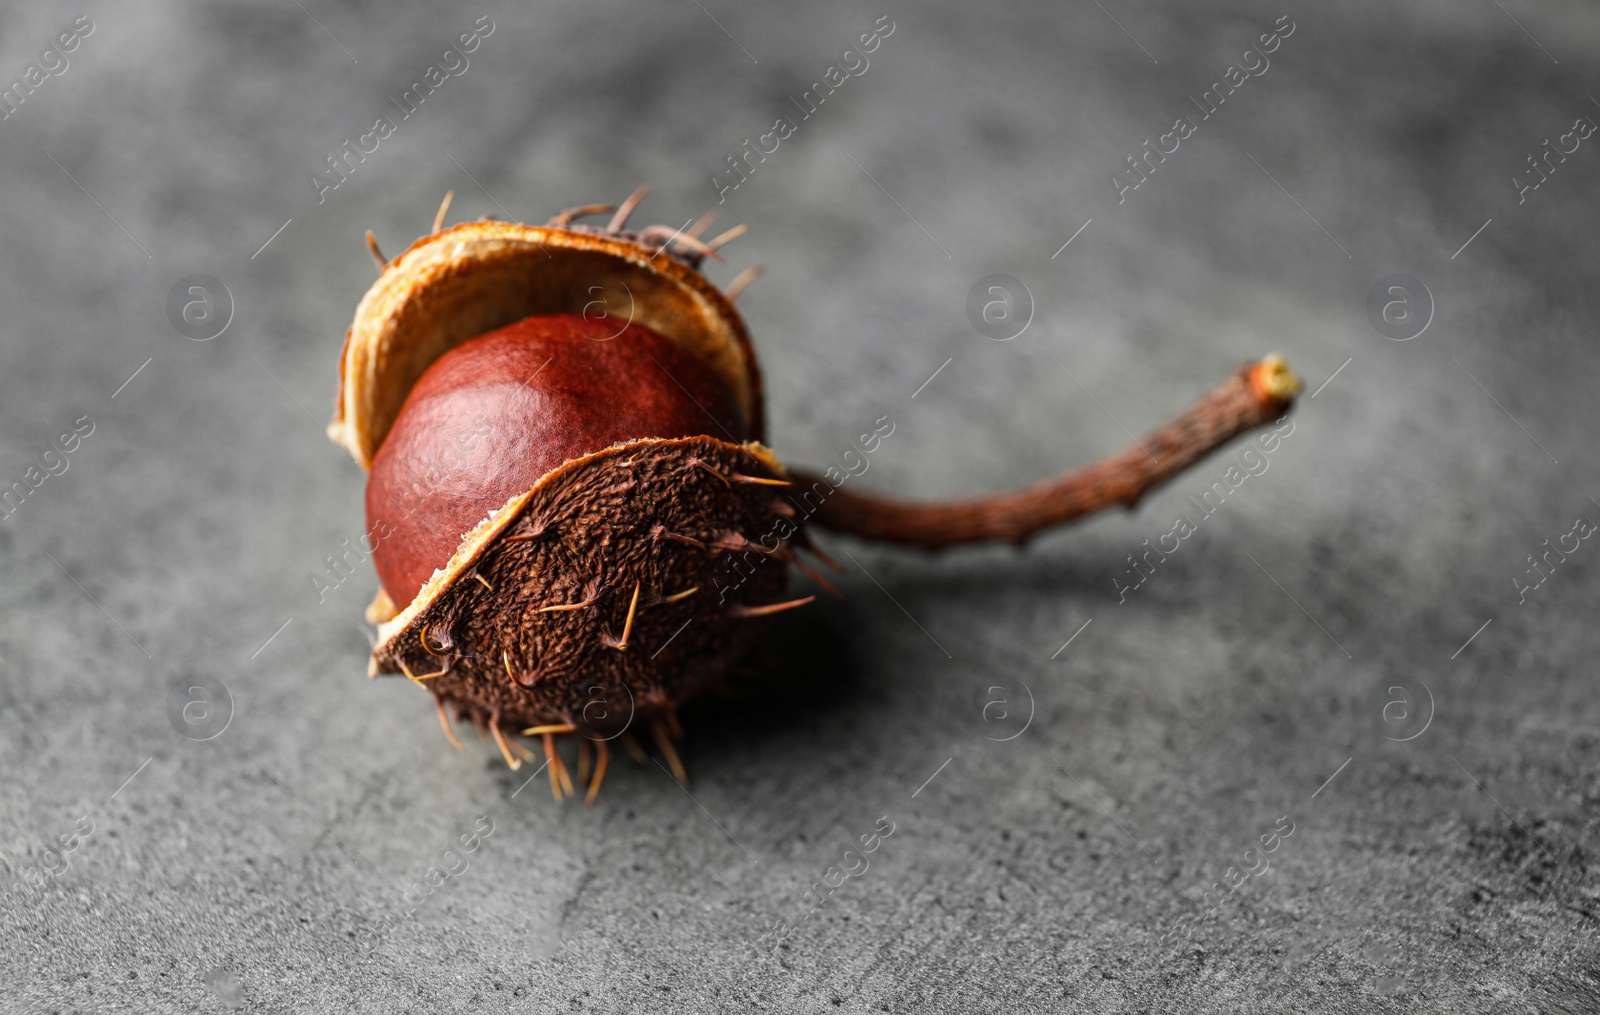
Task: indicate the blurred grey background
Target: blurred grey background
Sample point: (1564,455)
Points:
(1243,689)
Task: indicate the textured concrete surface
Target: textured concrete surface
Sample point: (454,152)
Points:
(1240,691)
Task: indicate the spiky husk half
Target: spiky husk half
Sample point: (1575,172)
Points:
(617,587)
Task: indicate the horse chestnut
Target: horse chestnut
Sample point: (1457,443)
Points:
(582,522)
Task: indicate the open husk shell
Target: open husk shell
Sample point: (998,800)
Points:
(475,277)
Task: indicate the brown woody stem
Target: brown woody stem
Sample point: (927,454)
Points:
(1258,393)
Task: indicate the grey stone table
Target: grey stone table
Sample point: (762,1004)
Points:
(1347,705)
